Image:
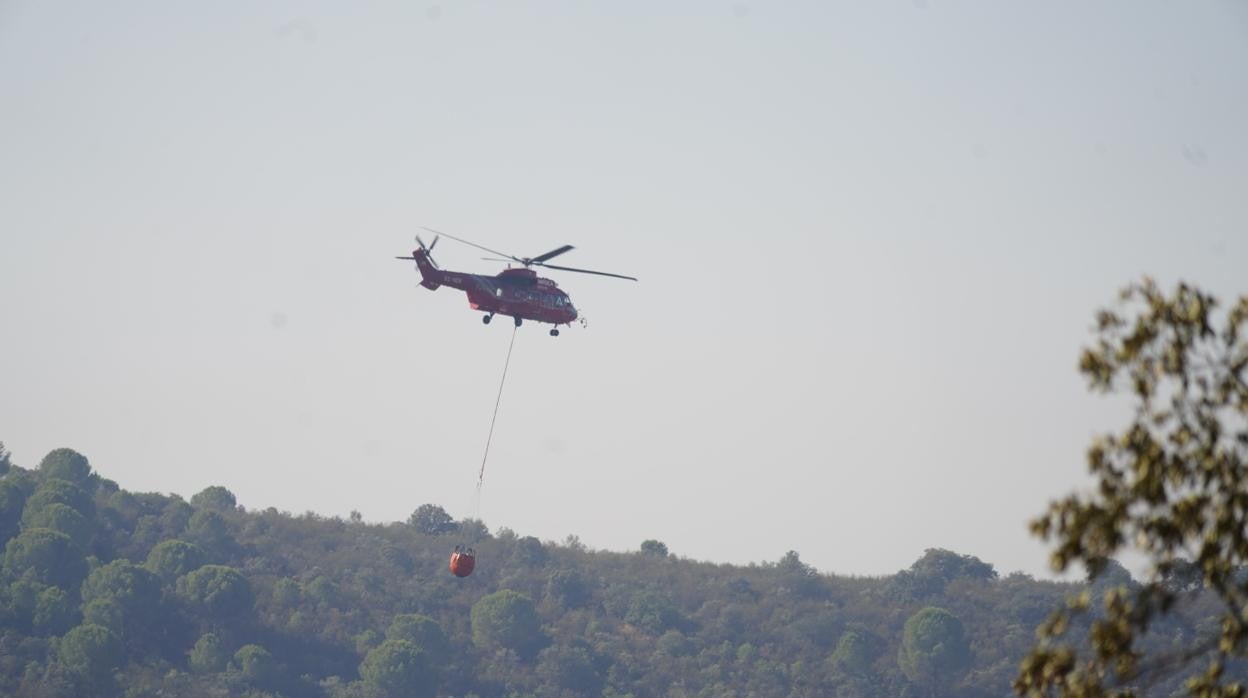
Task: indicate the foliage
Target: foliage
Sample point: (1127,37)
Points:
(934,650)
(131,593)
(220,590)
(62,519)
(12,501)
(55,612)
(399,668)
(215,498)
(57,491)
(49,555)
(1174,484)
(654,547)
(508,620)
(422,631)
(324,609)
(208,655)
(171,559)
(256,664)
(853,652)
(66,464)
(91,653)
(432,519)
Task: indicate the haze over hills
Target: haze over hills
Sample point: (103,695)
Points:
(111,592)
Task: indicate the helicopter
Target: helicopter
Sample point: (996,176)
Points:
(517,292)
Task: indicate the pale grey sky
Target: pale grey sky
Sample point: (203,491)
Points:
(870,237)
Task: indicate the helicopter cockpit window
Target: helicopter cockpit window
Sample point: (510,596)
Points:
(498,291)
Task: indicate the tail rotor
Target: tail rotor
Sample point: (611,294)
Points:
(428,249)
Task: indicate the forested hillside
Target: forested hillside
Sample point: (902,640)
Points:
(110,592)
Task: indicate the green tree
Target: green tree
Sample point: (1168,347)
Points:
(432,519)
(49,555)
(399,668)
(91,653)
(853,653)
(55,612)
(57,491)
(570,668)
(652,611)
(171,559)
(218,590)
(208,656)
(63,519)
(12,501)
(1173,484)
(287,593)
(422,631)
(5,464)
(214,498)
(106,613)
(506,619)
(931,573)
(207,529)
(654,547)
(797,577)
(934,651)
(66,464)
(256,664)
(135,591)
(568,588)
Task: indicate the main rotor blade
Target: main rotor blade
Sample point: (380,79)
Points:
(553,253)
(586,271)
(473,244)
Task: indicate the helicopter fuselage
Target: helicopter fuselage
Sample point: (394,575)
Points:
(516,292)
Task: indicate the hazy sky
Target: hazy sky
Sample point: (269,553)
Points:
(870,236)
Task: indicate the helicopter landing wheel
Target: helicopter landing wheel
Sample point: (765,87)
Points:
(485,319)
(518,321)
(554,332)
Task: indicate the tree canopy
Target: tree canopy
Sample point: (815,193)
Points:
(1172,485)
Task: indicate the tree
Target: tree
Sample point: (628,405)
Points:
(652,611)
(208,656)
(930,573)
(12,500)
(653,547)
(5,463)
(66,464)
(853,653)
(256,664)
(506,619)
(51,556)
(55,613)
(568,588)
(218,590)
(399,668)
(134,590)
(91,653)
(214,498)
(432,519)
(173,558)
(207,529)
(571,668)
(1173,483)
(797,577)
(63,519)
(934,651)
(422,631)
(57,491)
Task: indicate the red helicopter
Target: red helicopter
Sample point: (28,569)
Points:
(517,292)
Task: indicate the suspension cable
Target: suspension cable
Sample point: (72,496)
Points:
(497,401)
